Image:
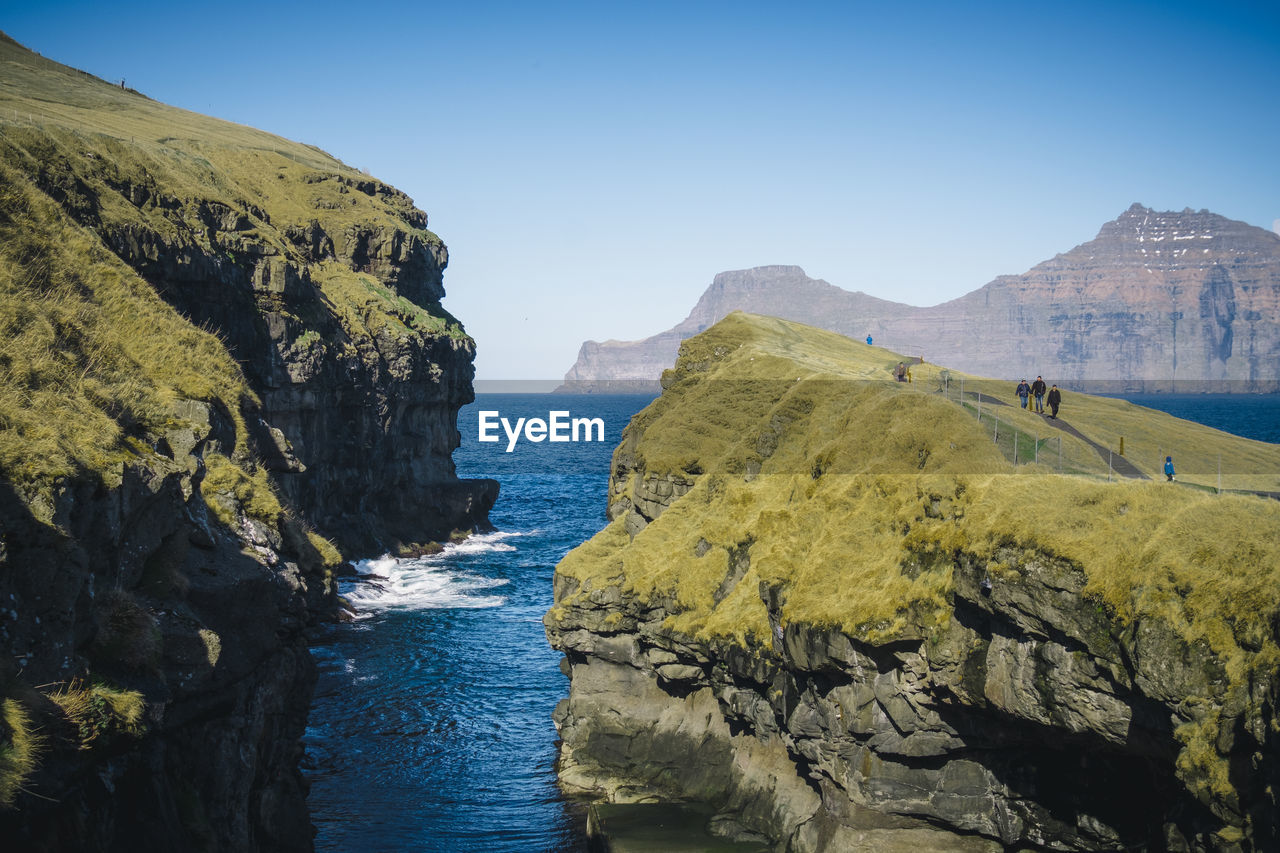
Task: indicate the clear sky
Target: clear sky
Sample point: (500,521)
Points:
(592,166)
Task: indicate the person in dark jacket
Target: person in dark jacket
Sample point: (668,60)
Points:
(1037,390)
(1023,392)
(1055,400)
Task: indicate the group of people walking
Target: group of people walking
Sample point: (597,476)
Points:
(1038,390)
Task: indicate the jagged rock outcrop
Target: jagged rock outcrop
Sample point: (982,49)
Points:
(1157,300)
(839,643)
(221,352)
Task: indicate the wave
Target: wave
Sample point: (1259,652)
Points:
(432,581)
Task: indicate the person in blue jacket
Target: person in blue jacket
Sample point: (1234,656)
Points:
(1023,392)
(1168,468)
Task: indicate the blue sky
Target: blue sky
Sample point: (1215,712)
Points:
(592,166)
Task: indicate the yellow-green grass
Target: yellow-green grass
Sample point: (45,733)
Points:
(843,491)
(87,349)
(20,747)
(91,359)
(365,305)
(868,494)
(87,135)
(253,492)
(330,556)
(99,709)
(1149,436)
(763,373)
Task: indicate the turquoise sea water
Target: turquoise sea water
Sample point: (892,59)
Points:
(431,727)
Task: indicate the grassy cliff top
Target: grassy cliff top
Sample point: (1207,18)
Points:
(91,358)
(746,362)
(190,154)
(856,495)
(117,161)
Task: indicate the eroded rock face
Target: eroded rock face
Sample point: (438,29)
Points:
(1158,300)
(366,415)
(138,583)
(1029,723)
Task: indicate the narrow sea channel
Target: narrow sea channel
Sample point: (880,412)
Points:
(431,725)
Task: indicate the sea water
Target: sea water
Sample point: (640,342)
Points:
(431,727)
(1250,415)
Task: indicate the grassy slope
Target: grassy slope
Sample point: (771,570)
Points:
(883,454)
(87,350)
(875,490)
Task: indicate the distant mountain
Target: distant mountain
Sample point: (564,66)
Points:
(1157,301)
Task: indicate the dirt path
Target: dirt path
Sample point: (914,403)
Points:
(1119,464)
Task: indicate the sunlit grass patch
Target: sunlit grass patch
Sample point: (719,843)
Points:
(99,709)
(20,747)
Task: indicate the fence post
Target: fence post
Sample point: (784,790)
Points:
(1109,454)
(1059,454)
(1015,445)
(1037,448)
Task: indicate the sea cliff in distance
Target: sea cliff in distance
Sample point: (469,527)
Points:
(1158,301)
(840,612)
(223,362)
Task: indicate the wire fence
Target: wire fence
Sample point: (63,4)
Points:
(1019,445)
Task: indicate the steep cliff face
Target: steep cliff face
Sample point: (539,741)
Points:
(222,353)
(828,607)
(155,638)
(1157,300)
(1157,296)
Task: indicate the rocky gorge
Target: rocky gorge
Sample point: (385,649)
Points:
(831,612)
(225,365)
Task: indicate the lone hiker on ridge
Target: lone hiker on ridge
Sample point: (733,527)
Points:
(1055,400)
(1038,389)
(868,340)
(1023,392)
(1168,468)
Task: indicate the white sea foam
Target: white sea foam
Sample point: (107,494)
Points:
(430,581)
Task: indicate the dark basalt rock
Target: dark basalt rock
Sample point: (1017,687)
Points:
(1028,724)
